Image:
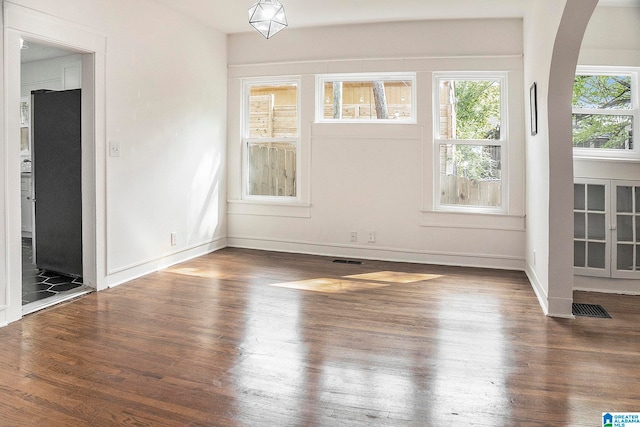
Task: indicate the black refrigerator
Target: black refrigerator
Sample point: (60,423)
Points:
(56,155)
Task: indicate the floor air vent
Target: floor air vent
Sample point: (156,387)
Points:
(589,310)
(347,261)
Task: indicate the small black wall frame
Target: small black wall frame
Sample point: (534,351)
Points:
(533,104)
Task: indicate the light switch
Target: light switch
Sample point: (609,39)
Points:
(114,149)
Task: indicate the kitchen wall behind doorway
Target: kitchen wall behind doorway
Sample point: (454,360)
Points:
(43,67)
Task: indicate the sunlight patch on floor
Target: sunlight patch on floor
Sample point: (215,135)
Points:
(394,277)
(330,285)
(198,272)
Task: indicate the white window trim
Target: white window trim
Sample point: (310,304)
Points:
(321,79)
(246,140)
(609,153)
(500,76)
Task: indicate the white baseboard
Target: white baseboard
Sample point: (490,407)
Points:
(606,285)
(121,275)
(540,292)
(501,262)
(560,307)
(552,307)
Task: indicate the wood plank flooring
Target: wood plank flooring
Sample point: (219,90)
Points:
(213,342)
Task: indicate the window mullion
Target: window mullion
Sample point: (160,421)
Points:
(604,112)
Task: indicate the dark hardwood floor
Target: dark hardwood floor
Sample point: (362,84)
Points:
(214,342)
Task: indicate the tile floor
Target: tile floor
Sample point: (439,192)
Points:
(40,284)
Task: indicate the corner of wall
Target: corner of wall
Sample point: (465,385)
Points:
(138,270)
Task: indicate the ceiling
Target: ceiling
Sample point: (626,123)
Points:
(230,16)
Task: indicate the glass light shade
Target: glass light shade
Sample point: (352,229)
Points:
(267,17)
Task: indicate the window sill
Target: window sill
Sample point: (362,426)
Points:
(472,220)
(292,209)
(607,158)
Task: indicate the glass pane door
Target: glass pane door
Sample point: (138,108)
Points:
(590,219)
(626,236)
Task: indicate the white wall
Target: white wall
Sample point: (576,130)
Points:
(603,47)
(166,107)
(376,177)
(553,33)
(540,27)
(612,37)
(166,104)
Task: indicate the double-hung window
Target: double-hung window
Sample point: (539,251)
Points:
(271,139)
(470,141)
(605,112)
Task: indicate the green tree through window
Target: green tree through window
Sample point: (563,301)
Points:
(477,109)
(602,112)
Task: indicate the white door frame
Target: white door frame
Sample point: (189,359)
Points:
(31,25)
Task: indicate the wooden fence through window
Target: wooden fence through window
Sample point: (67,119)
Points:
(458,190)
(272,169)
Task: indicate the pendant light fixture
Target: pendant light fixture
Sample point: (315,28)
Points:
(267,17)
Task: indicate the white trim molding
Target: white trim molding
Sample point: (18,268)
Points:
(471,220)
(501,262)
(118,276)
(264,208)
(31,25)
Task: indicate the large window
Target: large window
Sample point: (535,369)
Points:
(271,138)
(366,97)
(605,112)
(470,141)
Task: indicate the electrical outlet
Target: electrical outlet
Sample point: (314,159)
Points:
(174,238)
(354,236)
(372,237)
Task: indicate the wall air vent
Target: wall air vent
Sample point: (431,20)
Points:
(347,261)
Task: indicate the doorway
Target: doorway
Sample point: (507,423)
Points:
(33,26)
(50,169)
